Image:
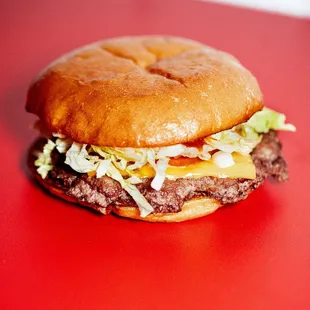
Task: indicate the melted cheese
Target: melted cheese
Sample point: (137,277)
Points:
(243,168)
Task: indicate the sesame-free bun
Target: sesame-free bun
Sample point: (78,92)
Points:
(191,209)
(143,91)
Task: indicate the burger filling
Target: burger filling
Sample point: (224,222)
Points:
(226,166)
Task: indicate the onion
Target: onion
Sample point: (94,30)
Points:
(223,159)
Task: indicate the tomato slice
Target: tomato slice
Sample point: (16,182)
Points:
(183,161)
(197,143)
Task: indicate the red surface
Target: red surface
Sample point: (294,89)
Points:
(255,255)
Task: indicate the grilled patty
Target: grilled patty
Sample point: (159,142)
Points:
(101,194)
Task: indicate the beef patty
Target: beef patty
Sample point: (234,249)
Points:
(101,194)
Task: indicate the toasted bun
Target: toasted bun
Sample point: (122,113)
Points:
(191,209)
(144,92)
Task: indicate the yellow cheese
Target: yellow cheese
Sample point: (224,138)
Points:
(243,168)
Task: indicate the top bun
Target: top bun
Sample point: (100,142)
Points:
(143,91)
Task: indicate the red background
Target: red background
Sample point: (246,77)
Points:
(255,255)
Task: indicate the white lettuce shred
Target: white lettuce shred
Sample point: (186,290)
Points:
(160,169)
(119,162)
(44,160)
(240,139)
(79,160)
(244,138)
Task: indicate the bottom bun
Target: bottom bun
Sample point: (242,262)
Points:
(191,209)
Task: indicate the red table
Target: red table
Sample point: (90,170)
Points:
(255,255)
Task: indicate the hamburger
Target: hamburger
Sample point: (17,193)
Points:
(155,128)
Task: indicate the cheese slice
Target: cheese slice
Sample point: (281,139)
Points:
(243,168)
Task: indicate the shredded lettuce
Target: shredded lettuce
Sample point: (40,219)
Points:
(117,162)
(109,162)
(267,119)
(143,205)
(160,168)
(245,137)
(44,160)
(79,160)
(103,167)
(234,140)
